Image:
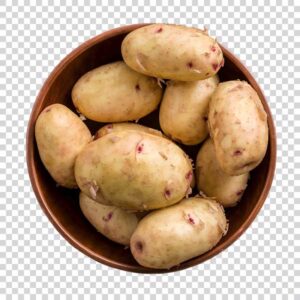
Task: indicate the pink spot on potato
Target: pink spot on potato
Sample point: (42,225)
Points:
(237,152)
(167,193)
(96,136)
(139,246)
(189,64)
(140,148)
(213,48)
(108,216)
(215,67)
(159,30)
(190,219)
(189,176)
(240,192)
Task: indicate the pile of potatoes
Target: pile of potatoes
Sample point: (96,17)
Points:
(135,182)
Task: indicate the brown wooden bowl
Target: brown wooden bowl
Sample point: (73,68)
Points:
(62,205)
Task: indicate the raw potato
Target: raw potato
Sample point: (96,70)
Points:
(60,136)
(238,127)
(184,109)
(115,223)
(134,170)
(172,52)
(115,93)
(117,127)
(170,236)
(213,182)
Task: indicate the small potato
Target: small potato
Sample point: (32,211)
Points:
(60,136)
(184,109)
(115,223)
(117,127)
(172,52)
(134,170)
(238,126)
(211,180)
(172,235)
(115,93)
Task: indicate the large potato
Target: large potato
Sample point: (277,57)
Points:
(211,180)
(238,127)
(117,127)
(134,170)
(60,136)
(115,93)
(184,109)
(172,52)
(170,236)
(115,223)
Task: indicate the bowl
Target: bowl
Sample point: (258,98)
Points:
(62,205)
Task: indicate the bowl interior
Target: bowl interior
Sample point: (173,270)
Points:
(62,205)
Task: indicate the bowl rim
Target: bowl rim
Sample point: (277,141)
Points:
(30,140)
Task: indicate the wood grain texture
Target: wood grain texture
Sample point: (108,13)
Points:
(62,205)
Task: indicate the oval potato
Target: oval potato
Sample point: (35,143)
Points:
(172,52)
(60,136)
(184,109)
(172,235)
(115,93)
(134,170)
(117,127)
(213,182)
(238,127)
(115,223)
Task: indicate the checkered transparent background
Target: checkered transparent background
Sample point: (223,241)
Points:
(36,260)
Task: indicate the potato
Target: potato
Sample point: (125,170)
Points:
(184,109)
(115,223)
(172,235)
(213,182)
(115,93)
(60,136)
(238,127)
(117,127)
(134,170)
(172,52)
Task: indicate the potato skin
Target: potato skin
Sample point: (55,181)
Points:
(115,93)
(60,136)
(184,109)
(117,127)
(172,52)
(115,223)
(238,126)
(213,182)
(121,169)
(172,235)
